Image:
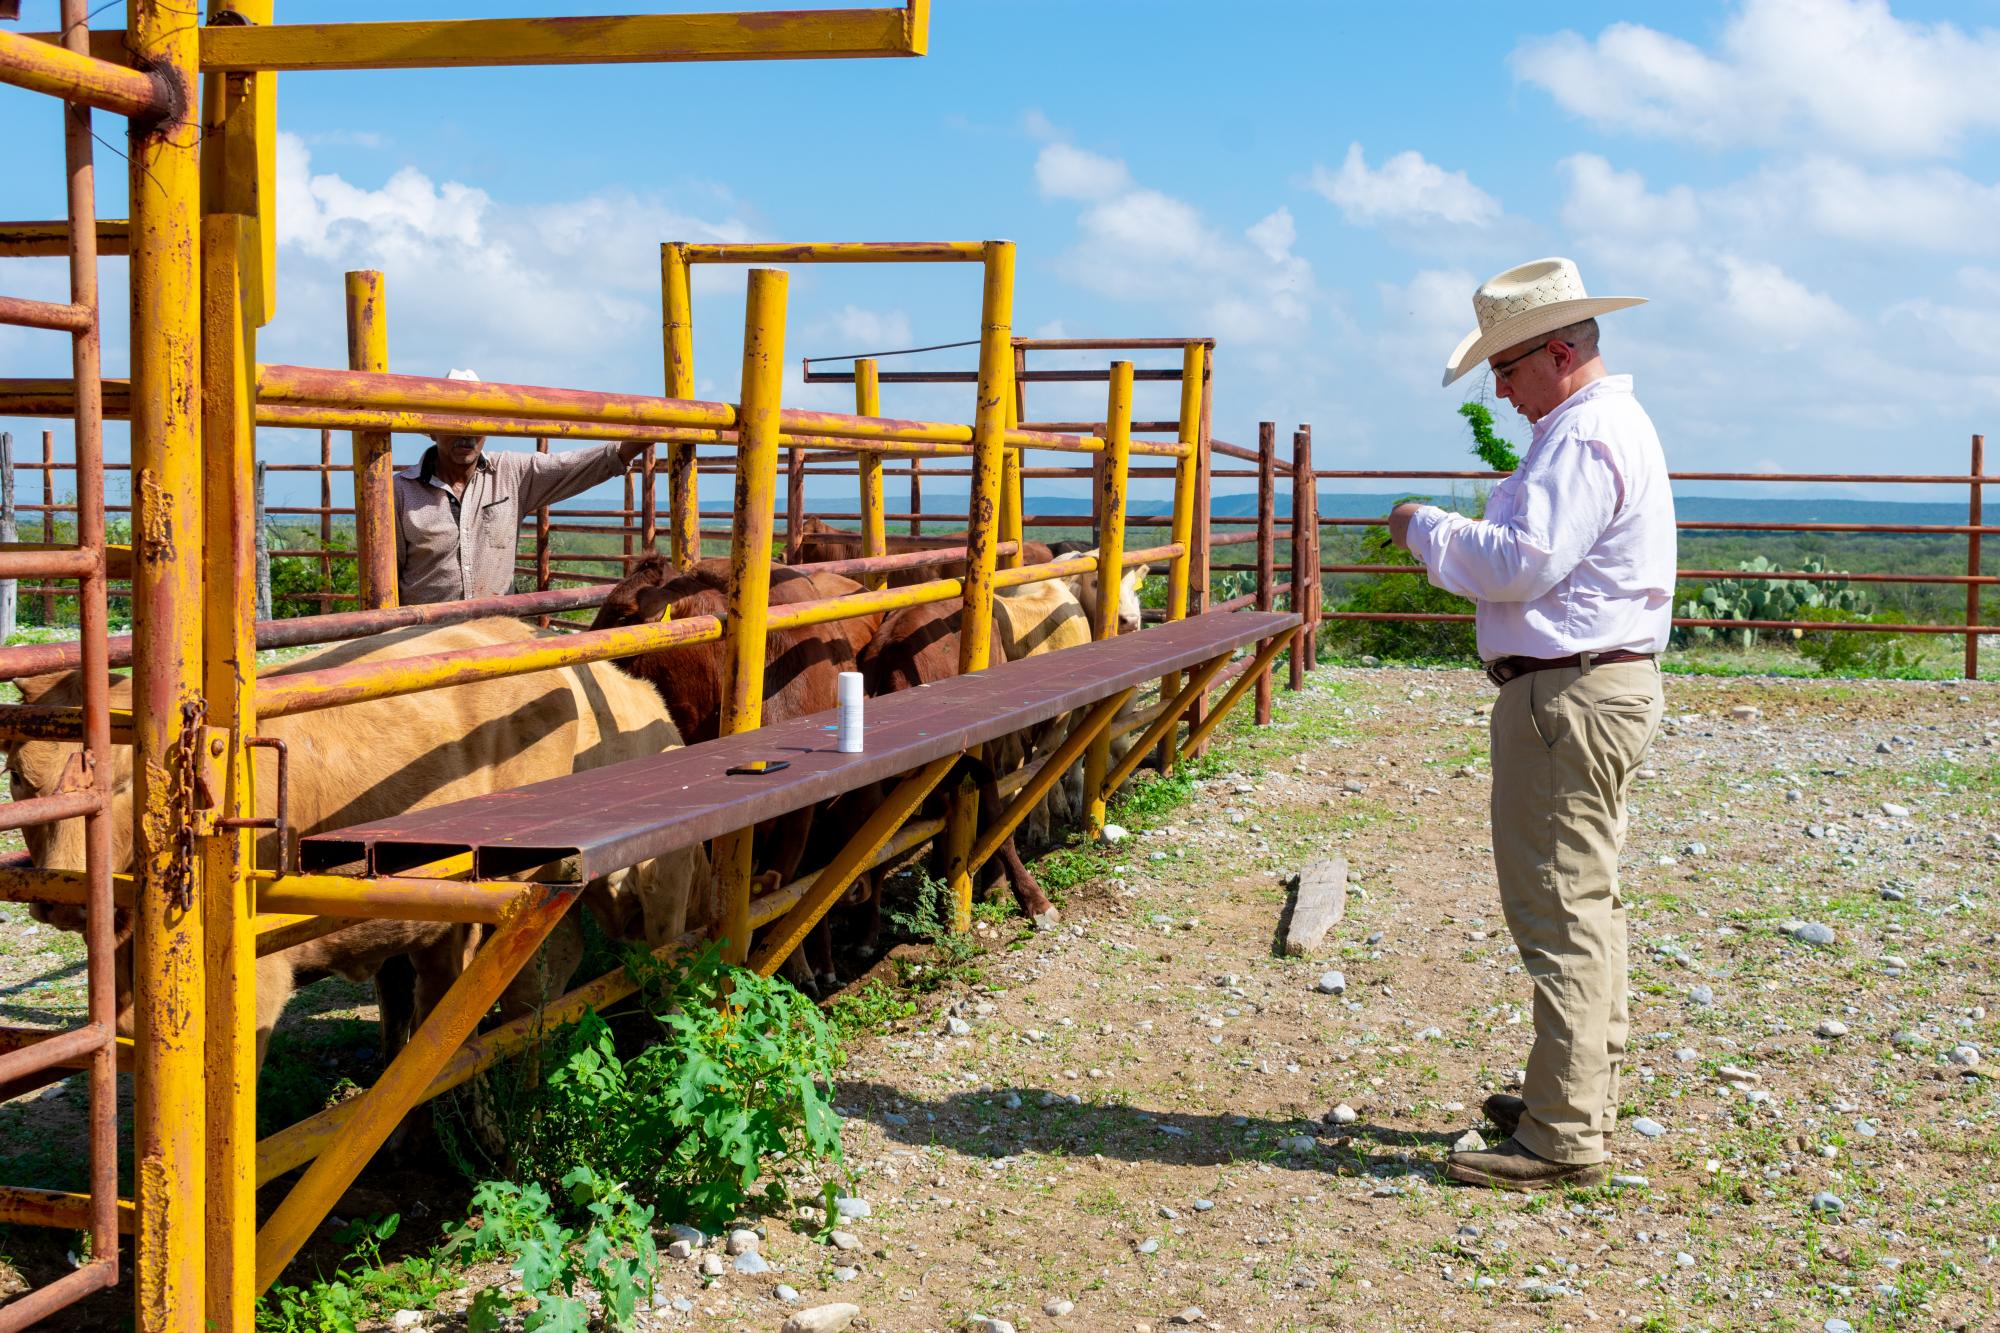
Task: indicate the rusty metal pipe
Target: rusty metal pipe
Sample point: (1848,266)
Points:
(84,80)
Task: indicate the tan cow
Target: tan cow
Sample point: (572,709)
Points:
(379,758)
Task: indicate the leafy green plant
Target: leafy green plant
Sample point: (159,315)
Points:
(295,579)
(611,1252)
(870,1007)
(735,1070)
(360,1288)
(928,919)
(1491,449)
(1854,652)
(1770,599)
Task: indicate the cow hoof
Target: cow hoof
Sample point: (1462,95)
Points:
(1048,920)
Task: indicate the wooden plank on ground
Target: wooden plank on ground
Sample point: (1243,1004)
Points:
(1321,902)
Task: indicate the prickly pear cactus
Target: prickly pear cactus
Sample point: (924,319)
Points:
(1755,598)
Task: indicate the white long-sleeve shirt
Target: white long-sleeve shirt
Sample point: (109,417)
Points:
(1576,552)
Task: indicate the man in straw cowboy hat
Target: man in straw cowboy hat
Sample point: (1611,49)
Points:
(458,511)
(1572,573)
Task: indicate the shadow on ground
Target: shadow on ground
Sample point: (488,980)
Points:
(987,1124)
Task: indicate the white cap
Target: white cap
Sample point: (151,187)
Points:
(462,375)
(848,687)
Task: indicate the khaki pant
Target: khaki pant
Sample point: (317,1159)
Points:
(1565,746)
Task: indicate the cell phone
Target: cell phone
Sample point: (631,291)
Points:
(758,767)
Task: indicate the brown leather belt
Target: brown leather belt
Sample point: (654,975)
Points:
(1503,669)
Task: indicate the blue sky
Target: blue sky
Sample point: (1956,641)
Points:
(1807,190)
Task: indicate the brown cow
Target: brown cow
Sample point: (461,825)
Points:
(801,669)
(819,541)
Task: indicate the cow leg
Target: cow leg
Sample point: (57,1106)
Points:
(1035,904)
(396,1003)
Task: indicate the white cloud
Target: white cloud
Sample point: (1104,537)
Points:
(1143,245)
(1602,198)
(1064,171)
(867,330)
(1407,189)
(1766,301)
(1845,72)
(550,293)
(1930,208)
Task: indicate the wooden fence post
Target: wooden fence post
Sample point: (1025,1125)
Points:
(1267,544)
(916,496)
(9,588)
(795,501)
(263,551)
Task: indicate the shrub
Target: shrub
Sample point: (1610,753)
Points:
(1854,652)
(295,579)
(736,1070)
(1771,599)
(613,1252)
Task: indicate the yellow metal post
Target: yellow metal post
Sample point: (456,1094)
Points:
(165,184)
(1193,366)
(975,637)
(229,259)
(874,531)
(677,338)
(1112,477)
(750,568)
(1011,506)
(374,482)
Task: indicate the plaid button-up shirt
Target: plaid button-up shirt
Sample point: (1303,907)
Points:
(450,547)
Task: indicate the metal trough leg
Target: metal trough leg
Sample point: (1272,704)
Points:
(402,1085)
(858,854)
(1046,777)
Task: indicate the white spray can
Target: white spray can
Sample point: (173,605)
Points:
(849,693)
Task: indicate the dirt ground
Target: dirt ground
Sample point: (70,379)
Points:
(1128,1119)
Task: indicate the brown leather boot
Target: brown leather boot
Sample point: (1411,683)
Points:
(1512,1167)
(1505,1110)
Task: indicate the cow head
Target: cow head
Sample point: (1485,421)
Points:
(1085,588)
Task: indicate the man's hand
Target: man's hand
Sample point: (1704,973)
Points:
(630,450)
(1399,524)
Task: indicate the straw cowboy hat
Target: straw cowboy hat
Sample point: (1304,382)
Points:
(1526,302)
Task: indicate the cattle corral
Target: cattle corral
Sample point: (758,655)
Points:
(162,815)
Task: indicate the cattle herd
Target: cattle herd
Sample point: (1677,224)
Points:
(375,759)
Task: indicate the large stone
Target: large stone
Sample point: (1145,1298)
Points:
(1321,902)
(822,1319)
(982,1323)
(1812,932)
(1331,983)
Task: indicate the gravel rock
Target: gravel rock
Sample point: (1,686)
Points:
(1701,995)
(981,1323)
(692,1235)
(1150,1245)
(1894,811)
(1055,1307)
(1300,1143)
(1965,1055)
(785,1293)
(822,1319)
(711,1265)
(1837,1326)
(679,1249)
(1907,1039)
(750,1263)
(1746,712)
(1343,1114)
(407,1319)
(1115,833)
(1354,787)
(845,1274)
(1652,1129)
(844,1240)
(742,1242)
(1889,893)
(957,1027)
(850,1208)
(1191,1315)
(1831,1028)
(1630,1182)
(1331,983)
(1826,1201)
(1470,1141)
(1812,932)
(1203,1205)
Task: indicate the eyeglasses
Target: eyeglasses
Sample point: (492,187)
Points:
(1506,368)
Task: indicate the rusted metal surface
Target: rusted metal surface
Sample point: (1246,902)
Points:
(1975,511)
(1109,505)
(1267,544)
(83,80)
(97,1275)
(31,659)
(374,482)
(53,1048)
(25,240)
(61,317)
(402,1084)
(626,813)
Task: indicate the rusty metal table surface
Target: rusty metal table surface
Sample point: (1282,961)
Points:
(601,820)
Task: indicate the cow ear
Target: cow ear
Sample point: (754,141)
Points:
(651,606)
(33,688)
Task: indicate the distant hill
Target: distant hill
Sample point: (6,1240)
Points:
(1714,508)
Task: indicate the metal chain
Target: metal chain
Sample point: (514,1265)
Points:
(180,885)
